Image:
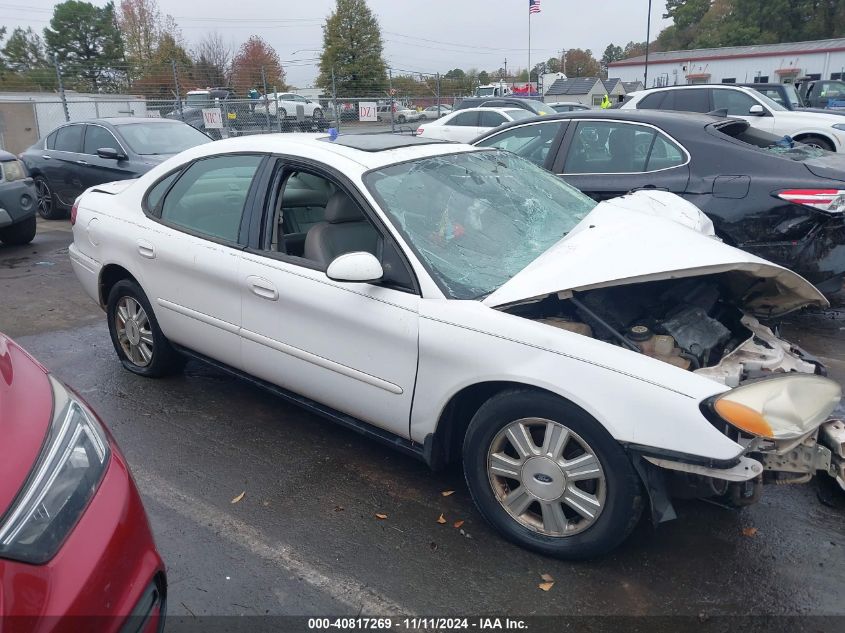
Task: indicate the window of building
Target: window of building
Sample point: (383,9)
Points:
(729,80)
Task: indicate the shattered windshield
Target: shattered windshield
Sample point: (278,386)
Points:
(784,146)
(477,218)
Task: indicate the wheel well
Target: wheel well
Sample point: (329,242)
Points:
(444,446)
(827,139)
(110,275)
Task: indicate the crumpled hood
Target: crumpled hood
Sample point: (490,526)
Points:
(629,240)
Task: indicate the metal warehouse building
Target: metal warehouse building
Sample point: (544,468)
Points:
(764,63)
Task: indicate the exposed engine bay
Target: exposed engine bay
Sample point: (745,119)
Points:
(695,323)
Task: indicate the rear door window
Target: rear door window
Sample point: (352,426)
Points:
(690,100)
(465,118)
(69,138)
(491,119)
(653,101)
(210,195)
(615,147)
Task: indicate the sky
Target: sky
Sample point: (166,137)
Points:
(420,35)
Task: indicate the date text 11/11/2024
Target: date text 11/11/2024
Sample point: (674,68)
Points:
(418,623)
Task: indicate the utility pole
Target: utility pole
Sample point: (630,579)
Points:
(334,102)
(647,43)
(266,101)
(61,87)
(176,85)
(392,102)
(438,95)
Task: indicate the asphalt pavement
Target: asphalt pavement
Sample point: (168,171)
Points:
(304,538)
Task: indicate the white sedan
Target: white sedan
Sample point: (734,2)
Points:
(434,112)
(285,104)
(462,304)
(465,125)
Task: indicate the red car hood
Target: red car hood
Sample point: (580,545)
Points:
(26,407)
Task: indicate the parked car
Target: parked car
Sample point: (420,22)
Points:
(82,154)
(465,125)
(17,202)
(435,112)
(783,202)
(822,93)
(787,96)
(823,130)
(567,106)
(74,537)
(285,105)
(401,114)
(462,304)
(532,105)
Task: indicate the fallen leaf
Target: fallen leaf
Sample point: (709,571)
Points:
(338,508)
(457,524)
(447,493)
(433,546)
(239,497)
(547,577)
(265,503)
(441,519)
(750,531)
(381,516)
(545,586)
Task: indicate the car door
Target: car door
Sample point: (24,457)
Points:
(489,119)
(189,259)
(95,170)
(606,159)
(463,127)
(738,105)
(348,346)
(538,142)
(63,169)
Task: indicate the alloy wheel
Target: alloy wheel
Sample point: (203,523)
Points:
(44,199)
(546,477)
(133,331)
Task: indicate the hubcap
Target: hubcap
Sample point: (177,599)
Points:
(133,331)
(45,198)
(546,477)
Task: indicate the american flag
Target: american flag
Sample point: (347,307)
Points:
(533,6)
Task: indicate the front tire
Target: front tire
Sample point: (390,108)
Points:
(401,118)
(817,141)
(137,338)
(20,233)
(549,477)
(317,115)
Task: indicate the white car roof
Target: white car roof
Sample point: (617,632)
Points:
(318,147)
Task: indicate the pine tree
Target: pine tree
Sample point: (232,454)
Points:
(352,48)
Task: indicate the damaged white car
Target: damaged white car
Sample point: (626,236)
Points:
(583,361)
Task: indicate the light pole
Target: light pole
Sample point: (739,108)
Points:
(647,43)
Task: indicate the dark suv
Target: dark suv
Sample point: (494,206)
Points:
(532,105)
(17,201)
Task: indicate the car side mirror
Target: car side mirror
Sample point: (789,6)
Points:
(358,266)
(110,153)
(756,110)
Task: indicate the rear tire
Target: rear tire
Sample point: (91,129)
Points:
(573,493)
(137,338)
(47,203)
(20,233)
(817,141)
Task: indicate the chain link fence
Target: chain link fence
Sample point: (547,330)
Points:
(49,96)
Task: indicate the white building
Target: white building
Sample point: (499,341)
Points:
(764,63)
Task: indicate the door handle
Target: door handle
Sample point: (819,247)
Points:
(81,162)
(46,156)
(262,288)
(146,249)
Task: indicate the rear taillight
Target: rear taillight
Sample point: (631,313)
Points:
(420,131)
(73,212)
(830,200)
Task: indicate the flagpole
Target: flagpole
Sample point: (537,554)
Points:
(529,53)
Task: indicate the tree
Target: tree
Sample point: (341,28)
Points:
(213,58)
(353,51)
(140,24)
(612,54)
(635,49)
(455,73)
(252,56)
(553,65)
(24,51)
(581,63)
(483,78)
(85,38)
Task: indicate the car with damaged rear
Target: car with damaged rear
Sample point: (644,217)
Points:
(582,360)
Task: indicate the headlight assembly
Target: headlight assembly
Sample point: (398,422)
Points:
(59,487)
(779,408)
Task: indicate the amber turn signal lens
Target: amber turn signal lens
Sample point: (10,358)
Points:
(744,418)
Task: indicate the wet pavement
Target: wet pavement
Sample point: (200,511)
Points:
(305,540)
